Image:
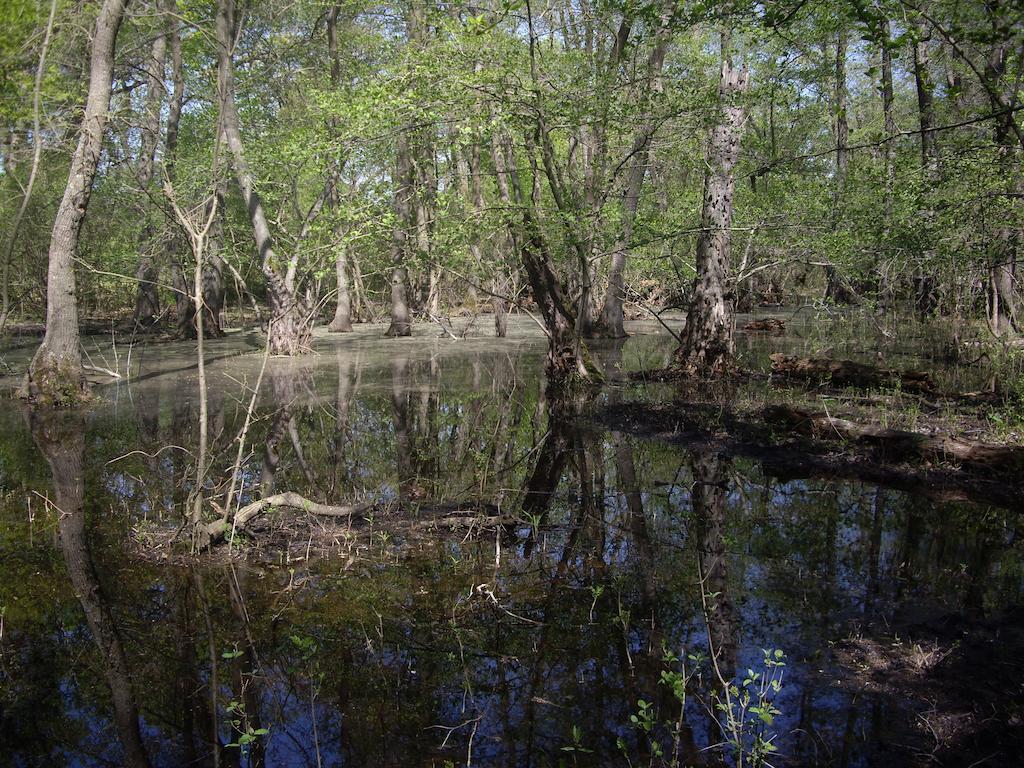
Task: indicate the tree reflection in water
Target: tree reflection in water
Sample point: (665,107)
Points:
(513,642)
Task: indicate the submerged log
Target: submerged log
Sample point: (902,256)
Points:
(900,444)
(847,373)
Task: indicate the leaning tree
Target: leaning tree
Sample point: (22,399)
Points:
(55,375)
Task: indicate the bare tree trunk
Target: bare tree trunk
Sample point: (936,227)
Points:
(184,309)
(888,150)
(290,326)
(610,322)
(342,322)
(707,343)
(510,243)
(401,324)
(55,373)
(147,298)
(842,124)
(924,282)
(1006,238)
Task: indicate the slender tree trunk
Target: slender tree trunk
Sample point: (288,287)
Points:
(707,343)
(290,326)
(842,125)
(1007,238)
(924,282)
(509,243)
(342,322)
(401,323)
(889,153)
(184,309)
(213,267)
(610,323)
(147,298)
(55,374)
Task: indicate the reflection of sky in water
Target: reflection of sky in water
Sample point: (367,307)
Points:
(797,563)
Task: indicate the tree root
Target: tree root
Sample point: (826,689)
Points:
(218,530)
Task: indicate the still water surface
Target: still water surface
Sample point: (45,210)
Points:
(395,641)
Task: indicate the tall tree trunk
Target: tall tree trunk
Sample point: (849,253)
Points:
(707,343)
(889,152)
(610,324)
(147,298)
(55,374)
(924,283)
(1007,238)
(509,243)
(290,325)
(401,324)
(184,309)
(342,321)
(842,125)
(611,320)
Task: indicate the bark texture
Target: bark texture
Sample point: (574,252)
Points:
(707,343)
(55,373)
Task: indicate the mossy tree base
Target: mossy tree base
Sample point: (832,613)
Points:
(55,381)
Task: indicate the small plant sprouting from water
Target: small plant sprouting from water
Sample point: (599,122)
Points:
(744,710)
(246,733)
(576,747)
(596,590)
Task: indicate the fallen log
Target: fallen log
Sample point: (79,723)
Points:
(770,325)
(897,443)
(217,531)
(847,373)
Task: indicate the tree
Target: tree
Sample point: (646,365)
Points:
(707,343)
(55,375)
(291,320)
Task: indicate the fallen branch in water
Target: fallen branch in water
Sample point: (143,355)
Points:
(216,531)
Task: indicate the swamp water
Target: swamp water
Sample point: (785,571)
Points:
(460,620)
